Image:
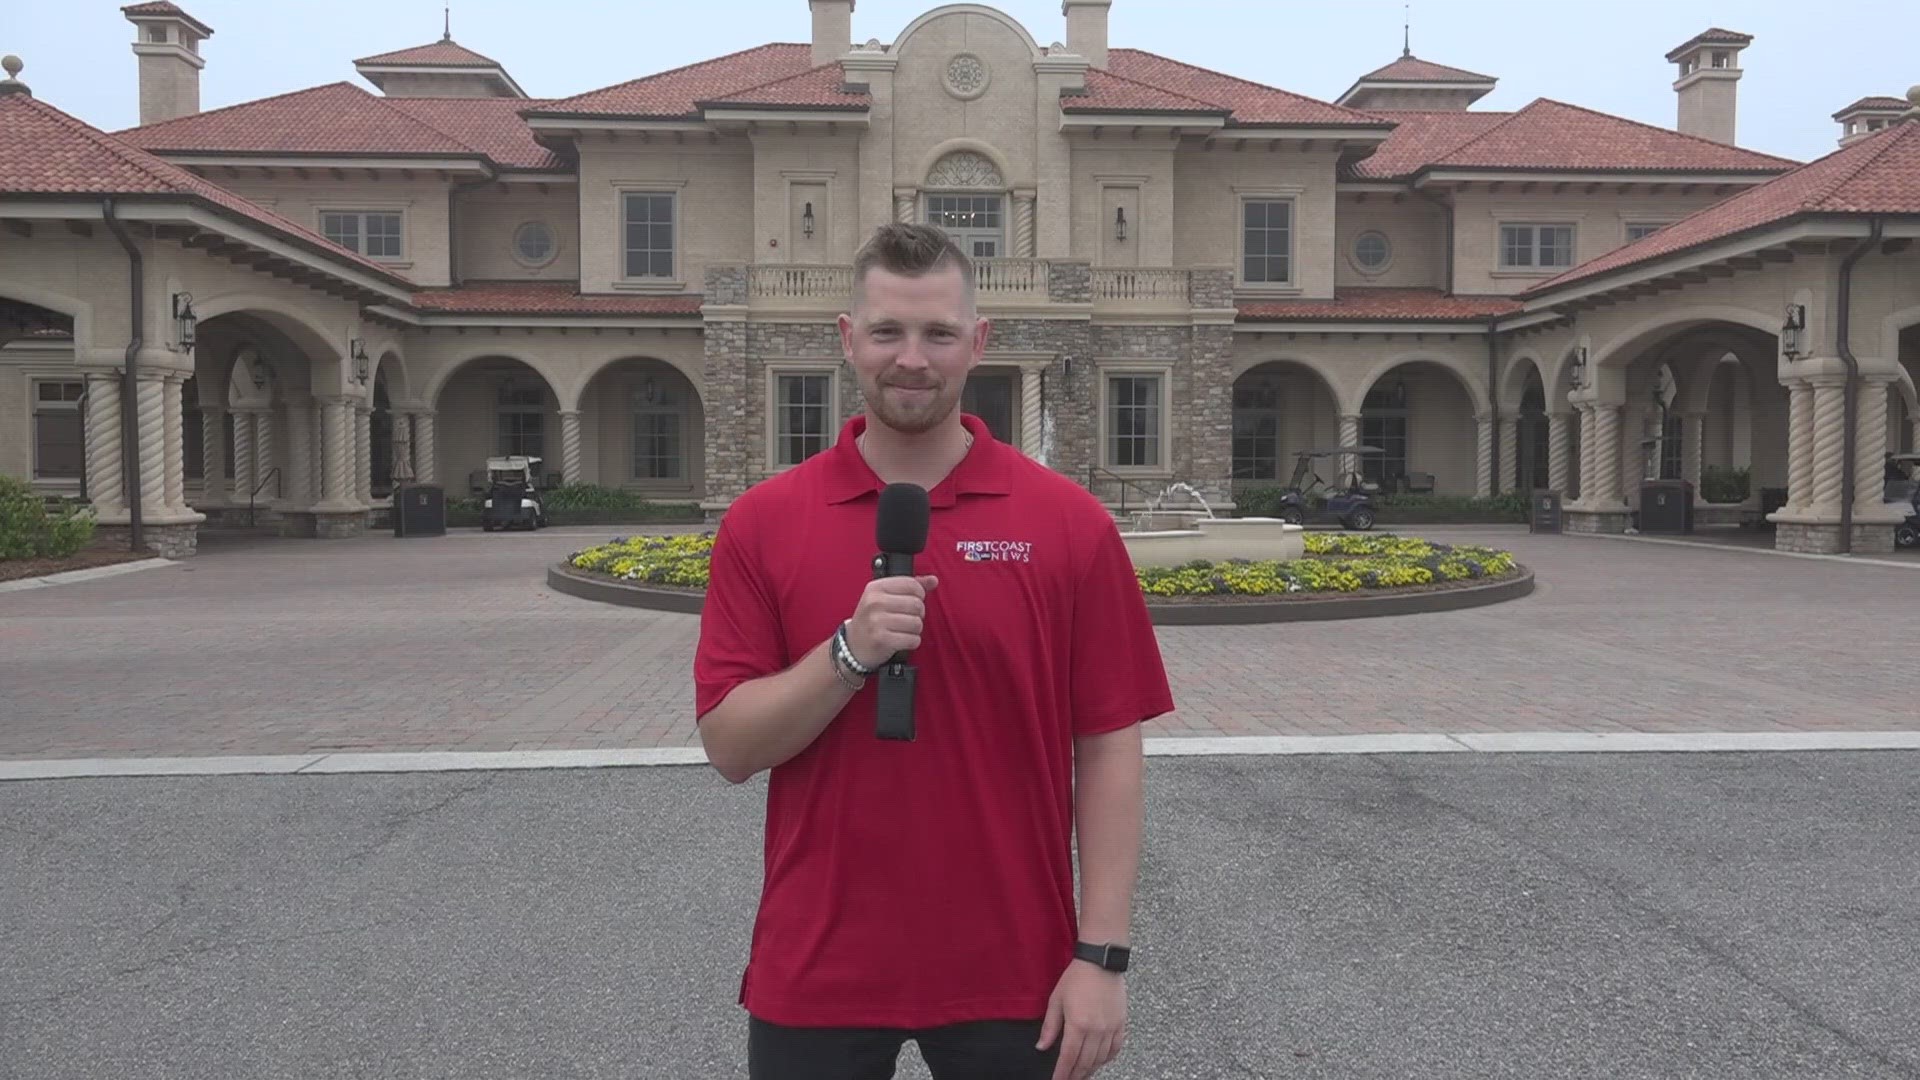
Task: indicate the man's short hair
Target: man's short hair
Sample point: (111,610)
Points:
(910,249)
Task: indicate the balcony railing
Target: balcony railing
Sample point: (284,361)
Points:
(796,282)
(1010,279)
(1158,286)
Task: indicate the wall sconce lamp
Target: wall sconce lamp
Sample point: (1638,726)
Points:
(806,222)
(362,370)
(1577,374)
(1120,223)
(1791,329)
(184,320)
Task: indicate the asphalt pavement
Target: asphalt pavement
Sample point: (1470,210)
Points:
(1528,916)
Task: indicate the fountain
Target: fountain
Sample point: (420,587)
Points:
(1161,536)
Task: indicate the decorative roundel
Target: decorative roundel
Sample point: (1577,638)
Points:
(966,76)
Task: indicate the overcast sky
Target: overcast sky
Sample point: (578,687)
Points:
(1807,59)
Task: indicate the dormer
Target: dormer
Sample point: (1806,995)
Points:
(1868,115)
(1709,73)
(442,69)
(1413,83)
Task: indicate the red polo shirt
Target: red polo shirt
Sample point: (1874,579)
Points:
(930,882)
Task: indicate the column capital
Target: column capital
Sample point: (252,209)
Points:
(564,413)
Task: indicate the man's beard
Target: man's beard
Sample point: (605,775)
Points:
(912,419)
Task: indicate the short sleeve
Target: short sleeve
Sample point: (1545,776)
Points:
(740,638)
(1118,676)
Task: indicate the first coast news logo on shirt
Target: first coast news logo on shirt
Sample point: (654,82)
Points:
(995,550)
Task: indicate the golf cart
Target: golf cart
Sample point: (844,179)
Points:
(1905,489)
(512,498)
(1309,500)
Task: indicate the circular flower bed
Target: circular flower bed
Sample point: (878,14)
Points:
(1334,563)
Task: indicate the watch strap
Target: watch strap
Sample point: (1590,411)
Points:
(1109,957)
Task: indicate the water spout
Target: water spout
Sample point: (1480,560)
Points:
(1184,488)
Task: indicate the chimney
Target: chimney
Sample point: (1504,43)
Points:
(1709,66)
(832,29)
(167,41)
(1868,115)
(1087,29)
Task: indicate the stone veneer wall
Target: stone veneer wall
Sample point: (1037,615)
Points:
(1825,539)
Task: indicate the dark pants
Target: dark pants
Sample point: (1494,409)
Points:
(980,1050)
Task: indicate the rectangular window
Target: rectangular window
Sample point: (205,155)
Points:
(1266,241)
(1133,421)
(648,221)
(1531,247)
(1641,230)
(1389,433)
(59,443)
(656,433)
(375,234)
(990,397)
(975,222)
(803,416)
(521,420)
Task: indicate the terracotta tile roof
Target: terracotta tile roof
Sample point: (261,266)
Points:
(338,118)
(443,53)
(1251,103)
(1876,103)
(1379,305)
(1413,69)
(491,126)
(546,298)
(1421,137)
(1552,135)
(675,93)
(1712,36)
(1880,174)
(162,7)
(819,88)
(1107,92)
(58,154)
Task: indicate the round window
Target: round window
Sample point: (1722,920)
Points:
(1371,250)
(533,243)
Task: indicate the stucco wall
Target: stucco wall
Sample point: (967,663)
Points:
(422,205)
(489,218)
(1599,225)
(1207,216)
(714,188)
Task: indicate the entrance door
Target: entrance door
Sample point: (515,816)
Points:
(989,396)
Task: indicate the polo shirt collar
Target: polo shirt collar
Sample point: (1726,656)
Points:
(982,472)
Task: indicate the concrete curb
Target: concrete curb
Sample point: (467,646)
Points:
(1700,545)
(89,574)
(1519,742)
(1342,606)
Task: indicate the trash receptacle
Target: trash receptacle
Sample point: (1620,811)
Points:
(1666,506)
(1545,514)
(420,510)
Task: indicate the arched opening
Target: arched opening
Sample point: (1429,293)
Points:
(260,371)
(1280,407)
(1905,420)
(1530,464)
(642,428)
(493,406)
(1421,414)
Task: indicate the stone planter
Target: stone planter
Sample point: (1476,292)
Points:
(1215,540)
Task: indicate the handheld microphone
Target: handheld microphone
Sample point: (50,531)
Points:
(900,532)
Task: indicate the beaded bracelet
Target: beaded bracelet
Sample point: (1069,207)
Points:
(844,659)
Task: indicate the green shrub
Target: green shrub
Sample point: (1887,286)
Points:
(593,497)
(1265,502)
(1725,484)
(28,531)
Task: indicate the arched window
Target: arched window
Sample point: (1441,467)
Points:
(966,197)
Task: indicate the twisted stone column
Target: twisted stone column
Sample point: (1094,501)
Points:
(903,206)
(570,456)
(263,457)
(335,477)
(1559,451)
(1693,432)
(297,472)
(1023,225)
(1587,450)
(105,484)
(363,448)
(213,455)
(423,446)
(1483,456)
(150,410)
(243,475)
(1509,457)
(1606,457)
(403,445)
(1829,439)
(1349,436)
(1870,444)
(1799,445)
(1032,413)
(172,388)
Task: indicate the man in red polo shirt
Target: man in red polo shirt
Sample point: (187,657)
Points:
(923,889)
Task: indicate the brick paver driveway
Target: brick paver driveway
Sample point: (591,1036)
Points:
(269,647)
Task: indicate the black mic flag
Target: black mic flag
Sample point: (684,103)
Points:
(900,533)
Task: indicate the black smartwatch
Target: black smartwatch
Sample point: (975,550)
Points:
(1109,957)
